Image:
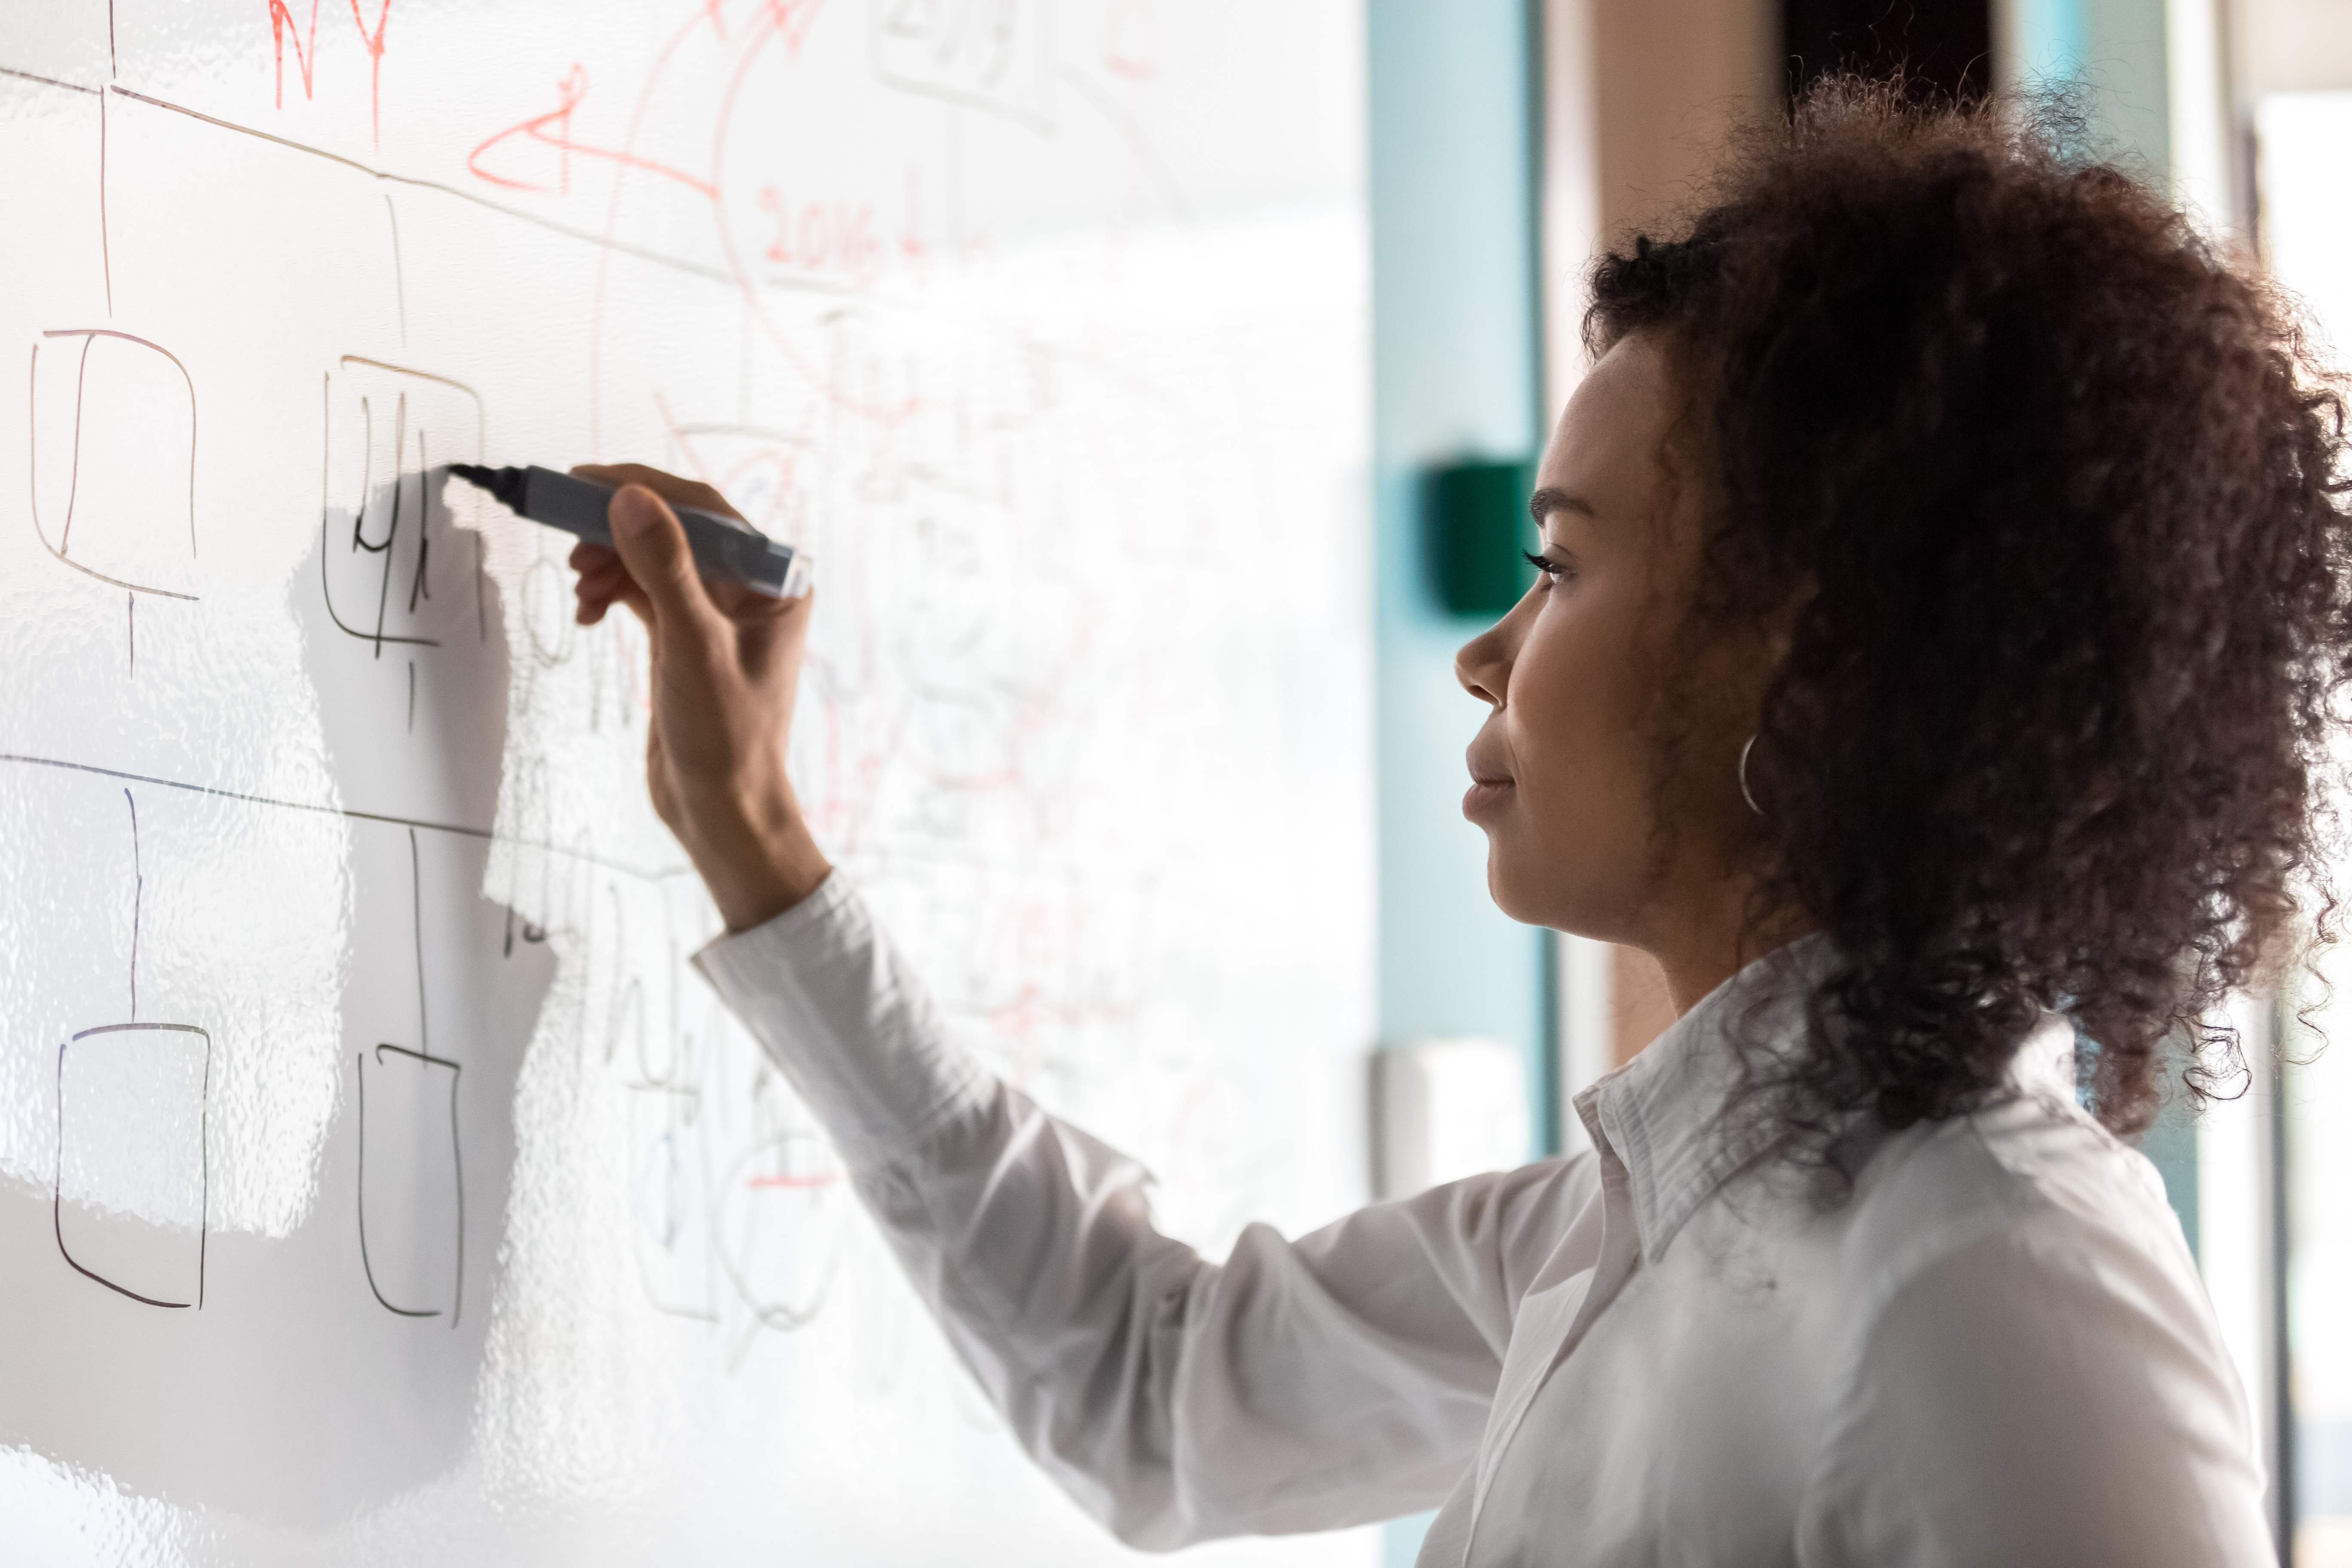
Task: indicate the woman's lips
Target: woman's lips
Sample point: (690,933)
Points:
(1485,795)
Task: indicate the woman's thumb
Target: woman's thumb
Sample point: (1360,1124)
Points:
(652,546)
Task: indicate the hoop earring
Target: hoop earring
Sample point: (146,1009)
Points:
(1744,793)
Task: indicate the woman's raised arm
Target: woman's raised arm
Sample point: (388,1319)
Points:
(1342,1378)
(1339,1379)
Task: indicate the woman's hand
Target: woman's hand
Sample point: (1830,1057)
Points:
(726,666)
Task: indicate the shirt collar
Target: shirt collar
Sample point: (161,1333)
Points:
(1661,1113)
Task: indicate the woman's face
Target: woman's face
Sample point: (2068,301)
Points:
(1564,777)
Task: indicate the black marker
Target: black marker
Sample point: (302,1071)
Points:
(724,548)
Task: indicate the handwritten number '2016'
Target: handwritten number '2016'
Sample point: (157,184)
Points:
(821,236)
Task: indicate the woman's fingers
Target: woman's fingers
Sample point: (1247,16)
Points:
(730,658)
(773,637)
(662,567)
(605,578)
(603,582)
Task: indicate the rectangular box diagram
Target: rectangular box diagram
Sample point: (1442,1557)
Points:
(132,1102)
(411,1213)
(396,571)
(412,1185)
(113,435)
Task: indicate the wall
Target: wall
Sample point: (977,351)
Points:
(2116,50)
(1455,375)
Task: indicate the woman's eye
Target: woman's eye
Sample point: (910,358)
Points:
(1553,570)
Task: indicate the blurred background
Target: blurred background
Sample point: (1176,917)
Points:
(1509,140)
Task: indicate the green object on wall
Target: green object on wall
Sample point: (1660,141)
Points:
(1475,515)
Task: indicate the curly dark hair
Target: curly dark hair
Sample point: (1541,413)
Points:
(2044,487)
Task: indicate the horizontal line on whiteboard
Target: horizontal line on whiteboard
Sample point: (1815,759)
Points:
(343,811)
(697,269)
(48,80)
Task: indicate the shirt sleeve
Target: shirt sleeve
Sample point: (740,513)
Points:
(1300,1386)
(2051,1393)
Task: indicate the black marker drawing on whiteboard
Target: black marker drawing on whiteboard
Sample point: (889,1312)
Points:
(530,933)
(420,586)
(425,1061)
(63,546)
(416,915)
(382,524)
(367,1261)
(576,849)
(162,1042)
(359,522)
(99,1036)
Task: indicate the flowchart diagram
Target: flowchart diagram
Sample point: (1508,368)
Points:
(358,1088)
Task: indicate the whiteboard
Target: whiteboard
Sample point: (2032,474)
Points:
(377,1183)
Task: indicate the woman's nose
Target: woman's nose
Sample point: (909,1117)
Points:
(1484,665)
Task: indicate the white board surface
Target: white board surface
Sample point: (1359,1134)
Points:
(377,1184)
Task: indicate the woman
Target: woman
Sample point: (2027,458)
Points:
(1942,594)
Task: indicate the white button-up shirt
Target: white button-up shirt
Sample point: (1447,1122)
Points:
(1994,1351)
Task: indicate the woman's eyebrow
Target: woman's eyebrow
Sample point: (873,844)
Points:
(1548,500)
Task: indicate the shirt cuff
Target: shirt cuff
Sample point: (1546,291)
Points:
(838,1011)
